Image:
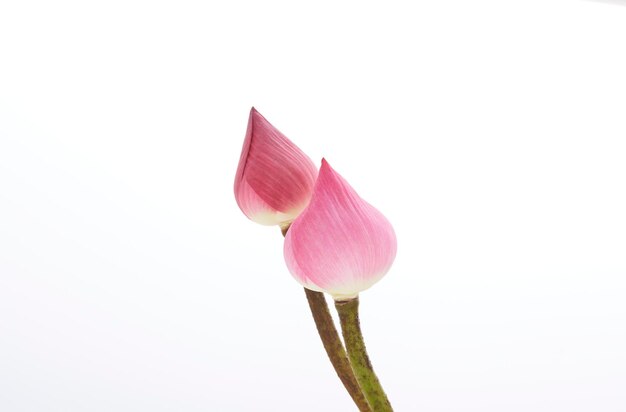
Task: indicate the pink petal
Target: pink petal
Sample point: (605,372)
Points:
(275,178)
(339,244)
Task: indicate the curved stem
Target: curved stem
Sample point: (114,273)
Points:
(349,316)
(334,348)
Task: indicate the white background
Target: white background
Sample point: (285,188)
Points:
(491,133)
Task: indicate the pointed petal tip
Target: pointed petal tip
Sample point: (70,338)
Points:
(254,113)
(326,170)
(257,119)
(325,165)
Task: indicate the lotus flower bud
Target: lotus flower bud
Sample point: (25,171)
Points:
(339,244)
(275,178)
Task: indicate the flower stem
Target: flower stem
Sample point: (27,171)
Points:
(349,316)
(334,348)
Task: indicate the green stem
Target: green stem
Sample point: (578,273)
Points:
(368,381)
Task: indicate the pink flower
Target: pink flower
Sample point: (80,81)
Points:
(339,244)
(275,178)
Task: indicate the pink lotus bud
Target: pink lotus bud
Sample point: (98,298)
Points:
(275,178)
(339,244)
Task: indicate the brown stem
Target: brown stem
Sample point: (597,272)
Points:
(334,348)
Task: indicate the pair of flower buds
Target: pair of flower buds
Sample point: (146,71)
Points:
(336,242)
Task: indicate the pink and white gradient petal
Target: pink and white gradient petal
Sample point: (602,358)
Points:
(340,244)
(274,179)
